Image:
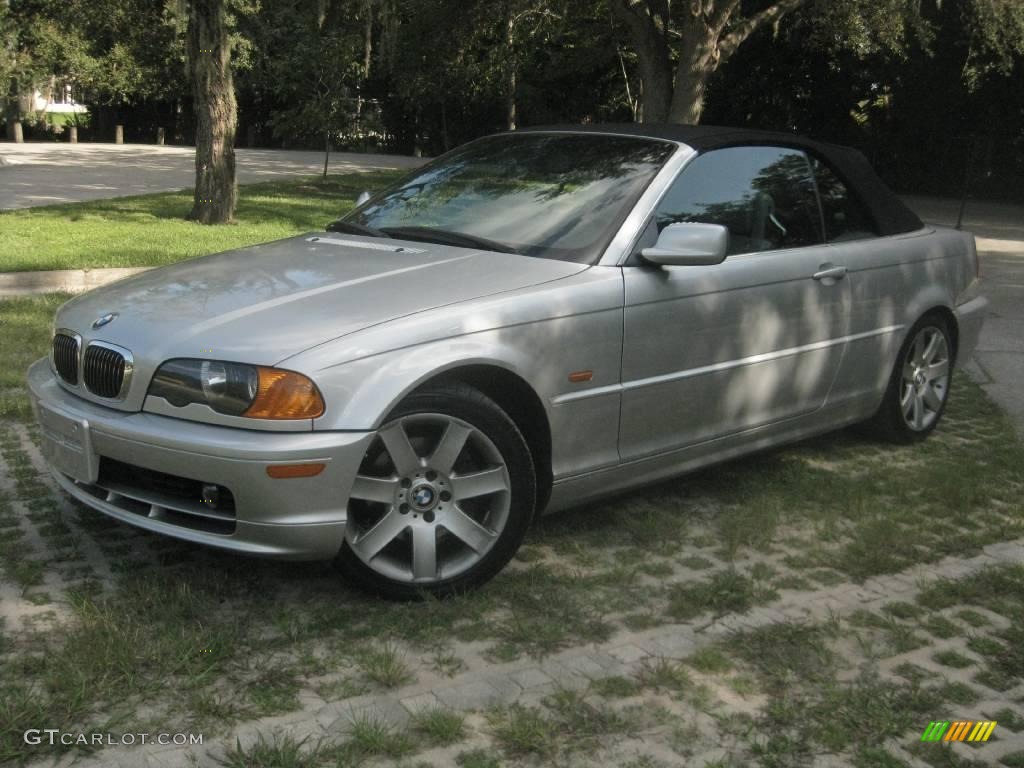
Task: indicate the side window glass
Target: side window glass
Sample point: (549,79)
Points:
(845,218)
(764,196)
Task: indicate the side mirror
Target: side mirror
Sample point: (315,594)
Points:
(689,244)
(363,197)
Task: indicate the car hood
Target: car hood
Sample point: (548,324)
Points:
(268,302)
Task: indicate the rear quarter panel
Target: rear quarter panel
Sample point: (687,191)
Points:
(895,281)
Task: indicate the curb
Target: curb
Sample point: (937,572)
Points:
(993,245)
(62,280)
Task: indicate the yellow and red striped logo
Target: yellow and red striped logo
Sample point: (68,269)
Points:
(959,730)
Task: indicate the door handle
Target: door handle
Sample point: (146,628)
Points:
(830,273)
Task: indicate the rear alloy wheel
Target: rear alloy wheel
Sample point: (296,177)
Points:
(442,498)
(919,387)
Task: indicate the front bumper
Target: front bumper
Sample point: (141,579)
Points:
(294,518)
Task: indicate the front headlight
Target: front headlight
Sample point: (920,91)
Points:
(236,389)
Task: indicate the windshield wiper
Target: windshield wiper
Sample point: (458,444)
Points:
(447,237)
(351,228)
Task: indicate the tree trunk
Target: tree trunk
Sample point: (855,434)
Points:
(213,90)
(368,42)
(654,57)
(510,96)
(364,75)
(444,125)
(704,46)
(12,114)
(656,75)
(698,59)
(510,106)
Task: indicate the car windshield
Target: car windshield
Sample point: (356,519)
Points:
(559,196)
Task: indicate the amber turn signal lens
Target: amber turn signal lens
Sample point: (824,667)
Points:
(283,471)
(285,395)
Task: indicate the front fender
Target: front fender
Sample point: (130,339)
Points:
(541,336)
(584,430)
(360,394)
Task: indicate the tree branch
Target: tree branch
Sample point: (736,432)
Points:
(728,44)
(643,15)
(633,14)
(721,13)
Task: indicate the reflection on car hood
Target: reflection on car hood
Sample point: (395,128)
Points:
(268,302)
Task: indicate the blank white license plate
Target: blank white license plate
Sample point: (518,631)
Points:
(66,445)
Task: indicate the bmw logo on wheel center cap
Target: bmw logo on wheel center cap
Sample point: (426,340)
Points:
(423,496)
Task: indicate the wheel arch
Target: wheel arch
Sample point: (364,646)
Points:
(949,316)
(514,395)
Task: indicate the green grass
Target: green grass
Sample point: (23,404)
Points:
(615,687)
(973,618)
(710,660)
(999,589)
(952,659)
(781,653)
(665,675)
(725,592)
(985,646)
(901,610)
(823,700)
(273,691)
(150,230)
(1009,718)
(583,720)
(67,118)
(371,736)
(446,662)
(568,721)
(385,666)
(477,758)
(278,752)
(813,708)
(440,727)
(522,731)
(24,338)
(941,627)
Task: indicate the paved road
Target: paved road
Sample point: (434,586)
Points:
(999,359)
(47,173)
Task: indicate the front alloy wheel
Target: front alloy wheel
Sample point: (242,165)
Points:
(442,498)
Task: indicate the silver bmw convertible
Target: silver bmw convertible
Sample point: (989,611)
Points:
(532,321)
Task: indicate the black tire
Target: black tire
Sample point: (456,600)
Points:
(890,421)
(472,407)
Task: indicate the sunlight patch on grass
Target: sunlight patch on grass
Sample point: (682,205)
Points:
(151,230)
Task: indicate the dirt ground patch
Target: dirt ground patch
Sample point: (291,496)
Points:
(782,610)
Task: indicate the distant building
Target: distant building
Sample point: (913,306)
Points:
(57,97)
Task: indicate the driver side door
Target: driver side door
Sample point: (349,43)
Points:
(712,351)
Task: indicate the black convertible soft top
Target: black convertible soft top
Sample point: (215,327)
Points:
(890,215)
